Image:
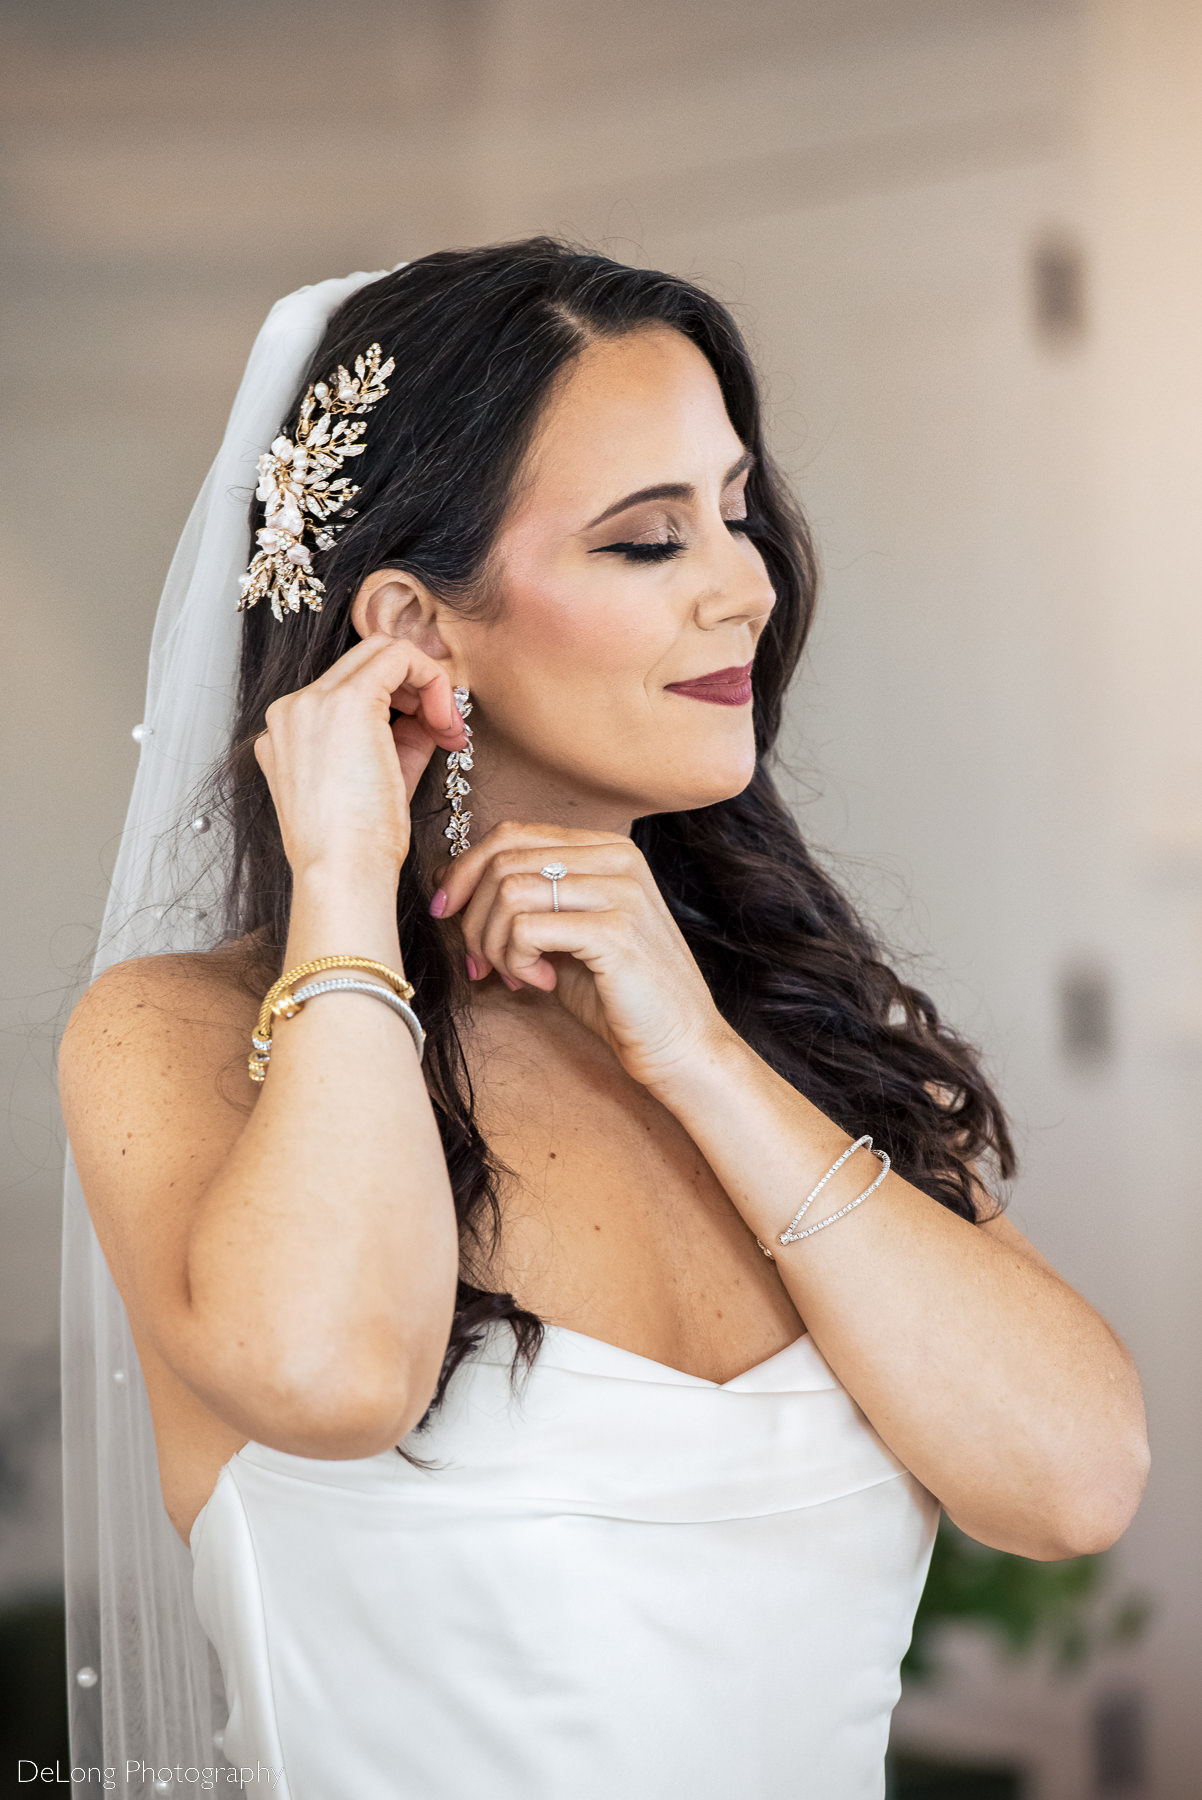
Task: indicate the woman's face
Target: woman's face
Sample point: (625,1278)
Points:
(621,569)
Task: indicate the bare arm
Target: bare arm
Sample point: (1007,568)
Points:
(1001,1388)
(290,1250)
(998,1386)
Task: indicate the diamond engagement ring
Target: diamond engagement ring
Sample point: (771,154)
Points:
(555,872)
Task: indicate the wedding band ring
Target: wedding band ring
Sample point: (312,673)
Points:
(554,872)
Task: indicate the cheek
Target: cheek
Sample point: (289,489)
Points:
(580,630)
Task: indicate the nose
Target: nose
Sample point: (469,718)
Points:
(738,589)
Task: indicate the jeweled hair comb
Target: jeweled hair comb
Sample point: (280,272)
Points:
(300,487)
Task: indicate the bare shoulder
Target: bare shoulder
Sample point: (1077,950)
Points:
(158,1021)
(155,1091)
(211,978)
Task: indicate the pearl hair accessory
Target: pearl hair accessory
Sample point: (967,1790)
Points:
(295,479)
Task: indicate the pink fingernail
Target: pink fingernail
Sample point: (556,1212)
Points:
(438,904)
(473,973)
(513,986)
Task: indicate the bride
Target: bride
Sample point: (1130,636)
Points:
(618,1183)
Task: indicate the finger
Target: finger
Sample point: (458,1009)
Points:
(521,849)
(414,748)
(426,693)
(362,655)
(508,872)
(411,680)
(596,939)
(523,896)
(547,838)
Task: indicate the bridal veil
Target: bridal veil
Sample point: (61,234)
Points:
(145,1693)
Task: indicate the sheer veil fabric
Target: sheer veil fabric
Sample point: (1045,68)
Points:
(145,1693)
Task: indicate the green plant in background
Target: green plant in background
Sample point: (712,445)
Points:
(33,1641)
(33,1687)
(1059,1607)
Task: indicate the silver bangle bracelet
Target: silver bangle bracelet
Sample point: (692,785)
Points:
(351,984)
(791,1235)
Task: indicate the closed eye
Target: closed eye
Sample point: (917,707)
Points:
(644,553)
(661,552)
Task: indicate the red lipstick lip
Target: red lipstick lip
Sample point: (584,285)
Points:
(729,687)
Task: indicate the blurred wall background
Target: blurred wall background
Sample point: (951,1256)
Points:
(965,238)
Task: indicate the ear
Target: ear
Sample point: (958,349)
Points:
(394,602)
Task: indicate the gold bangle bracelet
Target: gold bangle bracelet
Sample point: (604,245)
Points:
(278,1001)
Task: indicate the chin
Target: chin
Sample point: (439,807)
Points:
(700,770)
(700,793)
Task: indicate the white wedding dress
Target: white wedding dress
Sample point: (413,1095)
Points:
(622,1583)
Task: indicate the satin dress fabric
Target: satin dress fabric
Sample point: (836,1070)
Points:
(620,1580)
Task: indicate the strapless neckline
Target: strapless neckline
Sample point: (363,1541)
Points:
(617,1579)
(581,1346)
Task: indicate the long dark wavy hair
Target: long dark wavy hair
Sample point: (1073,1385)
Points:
(479,336)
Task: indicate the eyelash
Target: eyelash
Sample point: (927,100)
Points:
(655,553)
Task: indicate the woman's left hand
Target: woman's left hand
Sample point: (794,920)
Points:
(613,955)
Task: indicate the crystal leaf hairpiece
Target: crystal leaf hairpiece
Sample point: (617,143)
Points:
(301,489)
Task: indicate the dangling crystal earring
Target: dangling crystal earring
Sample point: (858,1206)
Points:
(456,786)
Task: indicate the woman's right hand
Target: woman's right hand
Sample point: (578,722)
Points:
(340,774)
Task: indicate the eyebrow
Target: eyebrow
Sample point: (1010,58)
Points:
(668,490)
